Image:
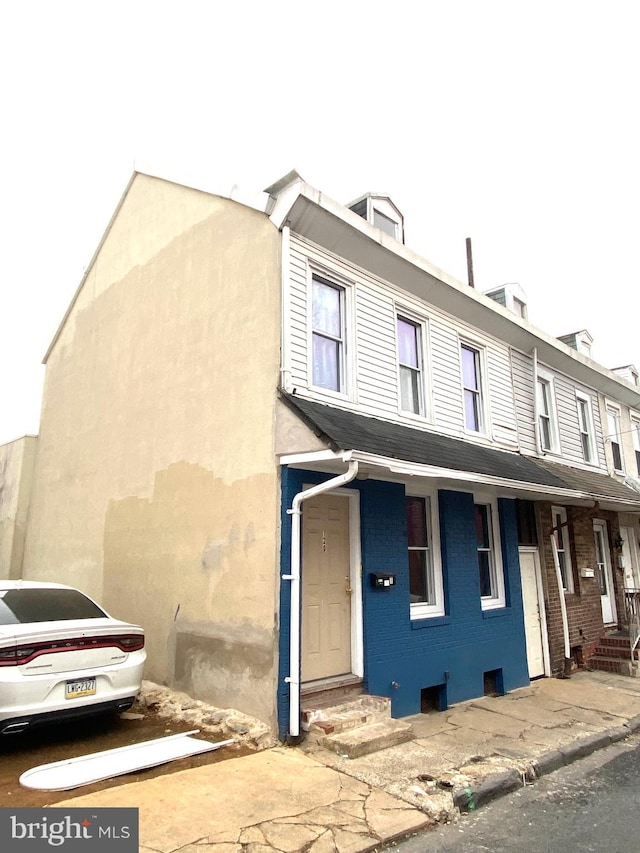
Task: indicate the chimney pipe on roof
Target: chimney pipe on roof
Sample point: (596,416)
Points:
(469,263)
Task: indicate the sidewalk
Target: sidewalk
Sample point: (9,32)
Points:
(309,799)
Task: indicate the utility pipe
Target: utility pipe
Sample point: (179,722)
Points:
(563,604)
(295,512)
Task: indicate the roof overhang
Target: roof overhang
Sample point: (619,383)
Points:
(386,468)
(329,224)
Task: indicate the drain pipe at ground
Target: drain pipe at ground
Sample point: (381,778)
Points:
(563,605)
(294,636)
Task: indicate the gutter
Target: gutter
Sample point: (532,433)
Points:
(293,679)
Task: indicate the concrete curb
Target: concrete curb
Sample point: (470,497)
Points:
(499,784)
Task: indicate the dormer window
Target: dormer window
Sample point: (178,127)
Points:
(385,223)
(380,212)
(510,296)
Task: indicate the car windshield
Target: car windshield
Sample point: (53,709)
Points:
(19,606)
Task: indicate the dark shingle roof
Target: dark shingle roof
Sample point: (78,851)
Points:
(348,431)
(345,430)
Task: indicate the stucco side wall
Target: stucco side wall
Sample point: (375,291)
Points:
(156,487)
(16,479)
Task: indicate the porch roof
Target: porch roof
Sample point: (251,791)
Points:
(438,455)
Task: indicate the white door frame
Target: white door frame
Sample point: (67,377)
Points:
(601,525)
(523,549)
(355,574)
(630,556)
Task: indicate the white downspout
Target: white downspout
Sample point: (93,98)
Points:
(285,340)
(563,606)
(295,512)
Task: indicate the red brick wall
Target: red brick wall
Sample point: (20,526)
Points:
(584,612)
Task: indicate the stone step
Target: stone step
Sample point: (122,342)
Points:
(344,716)
(617,665)
(623,652)
(369,738)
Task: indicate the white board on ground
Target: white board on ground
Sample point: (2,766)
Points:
(85,769)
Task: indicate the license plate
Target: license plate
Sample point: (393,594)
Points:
(80,687)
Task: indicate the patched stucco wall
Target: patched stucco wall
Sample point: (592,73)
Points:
(157,484)
(16,478)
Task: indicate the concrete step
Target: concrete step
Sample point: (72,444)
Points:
(369,738)
(344,716)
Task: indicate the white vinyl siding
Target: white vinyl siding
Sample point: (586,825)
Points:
(565,392)
(374,386)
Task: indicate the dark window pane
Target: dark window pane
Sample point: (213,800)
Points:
(471,418)
(484,564)
(482,526)
(416,523)
(418,576)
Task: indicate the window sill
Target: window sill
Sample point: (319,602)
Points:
(494,612)
(429,622)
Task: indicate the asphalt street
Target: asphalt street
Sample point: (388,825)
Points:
(591,806)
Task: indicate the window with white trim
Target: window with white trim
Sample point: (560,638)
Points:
(489,557)
(547,420)
(585,426)
(561,536)
(471,360)
(613,435)
(635,430)
(328,334)
(426,589)
(385,223)
(410,365)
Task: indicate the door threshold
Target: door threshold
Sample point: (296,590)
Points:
(330,683)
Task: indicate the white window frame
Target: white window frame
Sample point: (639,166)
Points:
(423,363)
(545,381)
(559,517)
(345,289)
(635,431)
(498,598)
(421,609)
(586,430)
(480,369)
(613,438)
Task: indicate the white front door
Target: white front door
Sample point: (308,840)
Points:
(604,571)
(533,612)
(326,587)
(630,558)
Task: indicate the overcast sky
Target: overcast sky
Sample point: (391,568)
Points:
(515,124)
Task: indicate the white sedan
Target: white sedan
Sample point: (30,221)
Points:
(62,656)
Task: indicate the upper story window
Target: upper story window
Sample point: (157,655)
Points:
(635,431)
(410,366)
(561,537)
(385,223)
(585,426)
(328,334)
(547,421)
(472,388)
(489,559)
(426,592)
(613,430)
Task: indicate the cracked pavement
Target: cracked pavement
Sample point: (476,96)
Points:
(295,800)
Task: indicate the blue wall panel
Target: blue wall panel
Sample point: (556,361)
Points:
(402,656)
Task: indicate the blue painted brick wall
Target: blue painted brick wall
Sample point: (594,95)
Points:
(456,649)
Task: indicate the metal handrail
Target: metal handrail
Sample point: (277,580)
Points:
(632,613)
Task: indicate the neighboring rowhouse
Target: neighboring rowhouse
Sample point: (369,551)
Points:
(16,478)
(291,448)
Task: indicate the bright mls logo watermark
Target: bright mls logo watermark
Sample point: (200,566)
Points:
(26,830)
